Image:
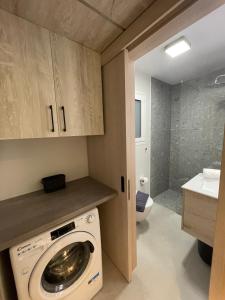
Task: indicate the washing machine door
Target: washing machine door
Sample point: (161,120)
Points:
(63,267)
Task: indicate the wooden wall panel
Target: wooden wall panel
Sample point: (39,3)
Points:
(108,161)
(70,18)
(217,282)
(122,12)
(130,149)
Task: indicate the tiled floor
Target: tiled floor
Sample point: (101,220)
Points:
(169,267)
(170,199)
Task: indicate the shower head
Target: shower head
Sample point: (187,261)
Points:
(220,80)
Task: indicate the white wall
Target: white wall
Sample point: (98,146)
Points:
(24,162)
(143,85)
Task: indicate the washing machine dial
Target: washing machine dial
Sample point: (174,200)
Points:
(90,219)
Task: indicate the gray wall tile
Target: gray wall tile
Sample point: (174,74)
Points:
(197,127)
(187,128)
(160,136)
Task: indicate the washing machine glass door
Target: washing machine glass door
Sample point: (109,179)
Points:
(66,266)
(63,266)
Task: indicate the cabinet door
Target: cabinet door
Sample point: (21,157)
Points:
(78,87)
(26,80)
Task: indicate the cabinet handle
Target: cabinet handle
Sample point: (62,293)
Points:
(64,118)
(52,118)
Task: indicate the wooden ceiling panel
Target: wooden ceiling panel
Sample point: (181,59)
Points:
(71,18)
(122,12)
(8,5)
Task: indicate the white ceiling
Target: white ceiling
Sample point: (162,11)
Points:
(207,54)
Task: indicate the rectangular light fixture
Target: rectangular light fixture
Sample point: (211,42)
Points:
(177,47)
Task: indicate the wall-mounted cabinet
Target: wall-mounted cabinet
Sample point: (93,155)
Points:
(78,87)
(26,80)
(49,85)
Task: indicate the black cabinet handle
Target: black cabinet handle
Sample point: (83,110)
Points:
(52,118)
(64,117)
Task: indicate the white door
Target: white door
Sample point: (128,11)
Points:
(142,140)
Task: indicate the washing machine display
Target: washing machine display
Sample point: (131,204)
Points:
(62,230)
(63,263)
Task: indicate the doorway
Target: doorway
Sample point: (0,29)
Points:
(187,113)
(124,70)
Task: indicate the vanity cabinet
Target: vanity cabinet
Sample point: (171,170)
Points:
(49,85)
(199,216)
(26,80)
(78,87)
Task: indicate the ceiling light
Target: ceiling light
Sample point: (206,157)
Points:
(177,47)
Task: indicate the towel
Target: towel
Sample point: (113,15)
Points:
(211,174)
(141,200)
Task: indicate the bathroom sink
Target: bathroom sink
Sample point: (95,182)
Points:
(211,185)
(201,185)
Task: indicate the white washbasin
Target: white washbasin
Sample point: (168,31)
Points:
(201,185)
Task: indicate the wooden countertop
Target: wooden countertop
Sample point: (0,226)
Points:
(28,215)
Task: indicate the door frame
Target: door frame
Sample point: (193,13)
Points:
(179,22)
(145,41)
(217,286)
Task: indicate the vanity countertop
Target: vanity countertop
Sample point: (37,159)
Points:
(28,215)
(203,186)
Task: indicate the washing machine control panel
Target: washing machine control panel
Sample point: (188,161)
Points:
(86,219)
(62,230)
(90,218)
(37,246)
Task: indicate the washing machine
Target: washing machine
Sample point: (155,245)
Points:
(62,263)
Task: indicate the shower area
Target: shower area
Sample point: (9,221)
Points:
(186,128)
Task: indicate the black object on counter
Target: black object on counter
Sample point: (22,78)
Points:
(205,252)
(54,183)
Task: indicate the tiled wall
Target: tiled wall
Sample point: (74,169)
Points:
(197,127)
(160,136)
(187,127)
